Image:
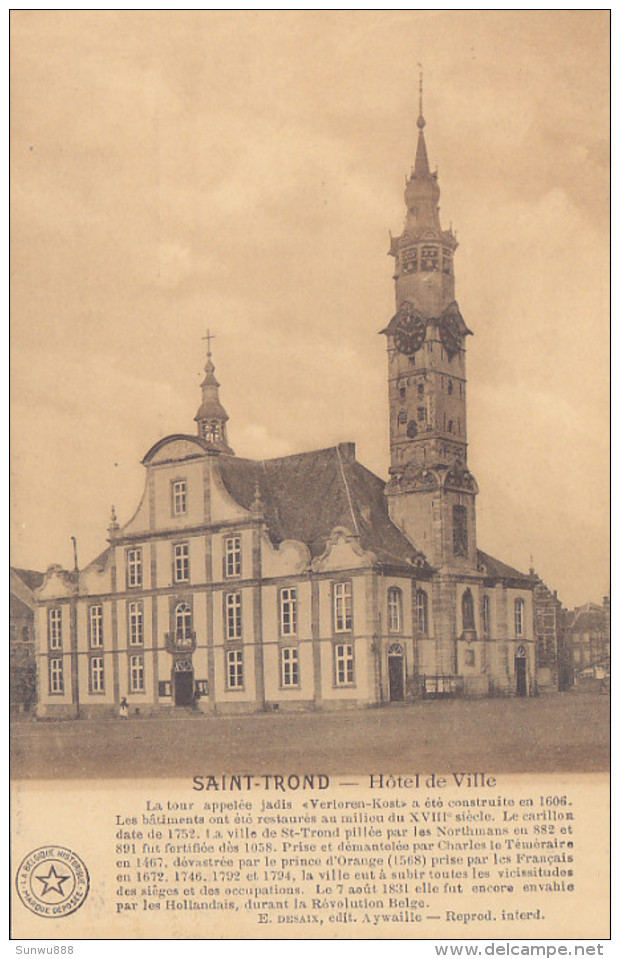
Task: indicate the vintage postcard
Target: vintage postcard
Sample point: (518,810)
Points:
(310,614)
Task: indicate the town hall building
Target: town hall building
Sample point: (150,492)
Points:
(305,581)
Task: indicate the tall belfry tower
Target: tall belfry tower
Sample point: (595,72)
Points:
(431,492)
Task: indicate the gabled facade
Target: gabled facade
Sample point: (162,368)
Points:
(304,581)
(554,652)
(280,583)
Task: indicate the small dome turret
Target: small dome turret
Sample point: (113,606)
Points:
(211,416)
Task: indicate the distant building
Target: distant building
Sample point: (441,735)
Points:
(305,581)
(589,631)
(554,658)
(22,605)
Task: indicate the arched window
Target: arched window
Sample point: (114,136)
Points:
(183,621)
(395,609)
(519,616)
(421,610)
(459,530)
(467,607)
(486,615)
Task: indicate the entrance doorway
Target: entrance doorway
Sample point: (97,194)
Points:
(183,687)
(396,673)
(521,672)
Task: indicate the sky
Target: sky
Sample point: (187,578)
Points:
(241,171)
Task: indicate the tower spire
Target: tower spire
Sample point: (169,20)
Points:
(421,166)
(211,416)
(421,120)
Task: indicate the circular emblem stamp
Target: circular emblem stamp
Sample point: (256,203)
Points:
(52,882)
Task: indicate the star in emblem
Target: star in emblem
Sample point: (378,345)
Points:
(52,882)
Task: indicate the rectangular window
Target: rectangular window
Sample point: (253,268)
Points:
(288,611)
(179,497)
(343,607)
(95,625)
(165,688)
(96,674)
(394,609)
(421,610)
(518,617)
(134,567)
(56,677)
(459,530)
(136,674)
(345,671)
(486,615)
(232,603)
(135,619)
(289,667)
(421,414)
(234,668)
(232,556)
(181,562)
(55,629)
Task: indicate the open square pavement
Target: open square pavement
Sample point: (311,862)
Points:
(557,733)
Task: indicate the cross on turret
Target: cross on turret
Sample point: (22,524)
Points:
(211,416)
(209,336)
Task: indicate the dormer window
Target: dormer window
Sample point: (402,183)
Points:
(447,261)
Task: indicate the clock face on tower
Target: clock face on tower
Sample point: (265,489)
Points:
(410,332)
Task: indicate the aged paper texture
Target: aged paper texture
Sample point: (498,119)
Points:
(284,687)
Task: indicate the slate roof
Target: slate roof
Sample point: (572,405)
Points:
(495,569)
(308,494)
(18,609)
(101,560)
(587,619)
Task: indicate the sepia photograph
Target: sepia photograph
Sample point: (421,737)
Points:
(310,420)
